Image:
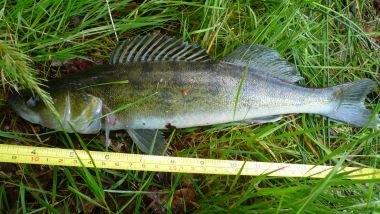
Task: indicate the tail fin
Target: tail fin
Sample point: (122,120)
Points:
(351,108)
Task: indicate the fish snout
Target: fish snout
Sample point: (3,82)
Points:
(23,105)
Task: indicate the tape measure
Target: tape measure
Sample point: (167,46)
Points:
(124,161)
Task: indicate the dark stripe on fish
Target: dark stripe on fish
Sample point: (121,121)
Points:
(146,69)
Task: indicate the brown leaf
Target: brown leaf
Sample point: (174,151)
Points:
(369,29)
(183,200)
(132,5)
(87,207)
(75,21)
(157,204)
(376,5)
(77,64)
(8,168)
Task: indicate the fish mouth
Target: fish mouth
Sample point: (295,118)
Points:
(17,103)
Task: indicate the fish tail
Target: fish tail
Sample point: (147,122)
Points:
(351,107)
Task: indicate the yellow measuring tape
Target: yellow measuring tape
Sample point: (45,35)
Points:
(123,161)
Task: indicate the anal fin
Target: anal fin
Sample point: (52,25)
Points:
(266,119)
(150,141)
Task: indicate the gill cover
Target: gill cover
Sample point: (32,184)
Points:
(78,111)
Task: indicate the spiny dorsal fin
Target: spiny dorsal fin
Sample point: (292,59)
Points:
(157,48)
(262,59)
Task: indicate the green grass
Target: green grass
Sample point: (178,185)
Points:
(326,40)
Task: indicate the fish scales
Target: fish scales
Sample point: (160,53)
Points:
(186,94)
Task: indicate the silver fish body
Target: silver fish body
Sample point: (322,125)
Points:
(161,95)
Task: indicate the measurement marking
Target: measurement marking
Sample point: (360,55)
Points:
(68,157)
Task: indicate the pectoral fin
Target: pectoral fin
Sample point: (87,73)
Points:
(107,130)
(87,120)
(149,141)
(267,119)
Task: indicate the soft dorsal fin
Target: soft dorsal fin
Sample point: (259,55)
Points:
(262,59)
(157,48)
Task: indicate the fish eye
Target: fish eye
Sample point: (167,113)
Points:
(32,102)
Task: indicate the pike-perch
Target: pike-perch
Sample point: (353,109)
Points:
(159,82)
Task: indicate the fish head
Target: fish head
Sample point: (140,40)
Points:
(81,112)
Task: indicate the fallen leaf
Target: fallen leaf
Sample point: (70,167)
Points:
(376,5)
(183,200)
(157,204)
(370,29)
(77,64)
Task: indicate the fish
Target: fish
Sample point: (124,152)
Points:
(157,82)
